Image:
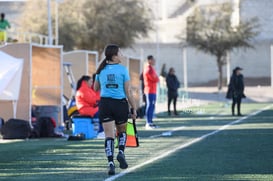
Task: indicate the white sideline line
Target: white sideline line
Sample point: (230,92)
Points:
(112,178)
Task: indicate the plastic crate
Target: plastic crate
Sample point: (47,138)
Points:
(85,125)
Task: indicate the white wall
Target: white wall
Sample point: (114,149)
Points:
(256,61)
(202,67)
(261,9)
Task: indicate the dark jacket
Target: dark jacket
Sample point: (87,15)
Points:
(142,82)
(172,84)
(236,86)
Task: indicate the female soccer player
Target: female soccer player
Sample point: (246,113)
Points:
(113,81)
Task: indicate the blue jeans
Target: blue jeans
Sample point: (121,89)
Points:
(150,107)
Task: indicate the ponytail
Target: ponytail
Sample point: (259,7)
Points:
(109,52)
(101,66)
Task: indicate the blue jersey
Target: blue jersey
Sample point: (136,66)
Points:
(112,79)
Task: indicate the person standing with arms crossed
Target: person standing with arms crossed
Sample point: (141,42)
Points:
(236,89)
(113,81)
(172,85)
(150,85)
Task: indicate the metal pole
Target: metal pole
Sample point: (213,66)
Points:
(228,67)
(142,59)
(157,52)
(271,53)
(157,35)
(49,23)
(163,10)
(56,22)
(185,68)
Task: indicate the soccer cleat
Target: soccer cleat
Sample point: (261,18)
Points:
(111,168)
(121,159)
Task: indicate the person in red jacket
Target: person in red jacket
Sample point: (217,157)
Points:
(86,98)
(150,85)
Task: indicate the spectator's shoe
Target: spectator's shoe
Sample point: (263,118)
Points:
(148,127)
(151,126)
(176,113)
(169,113)
(239,114)
(121,159)
(111,168)
(154,126)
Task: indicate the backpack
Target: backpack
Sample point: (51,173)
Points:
(16,129)
(44,127)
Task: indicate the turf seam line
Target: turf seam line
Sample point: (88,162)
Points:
(167,153)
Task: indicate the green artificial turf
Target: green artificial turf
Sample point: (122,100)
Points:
(241,152)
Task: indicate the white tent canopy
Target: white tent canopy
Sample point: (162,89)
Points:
(10,78)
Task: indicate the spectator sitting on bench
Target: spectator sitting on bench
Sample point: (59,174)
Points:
(87,99)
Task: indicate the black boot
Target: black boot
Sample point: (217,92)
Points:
(232,109)
(239,110)
(174,107)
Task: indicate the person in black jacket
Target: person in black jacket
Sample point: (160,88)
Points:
(236,90)
(172,85)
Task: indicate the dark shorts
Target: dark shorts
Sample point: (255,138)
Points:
(113,110)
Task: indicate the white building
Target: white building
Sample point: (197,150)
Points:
(170,20)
